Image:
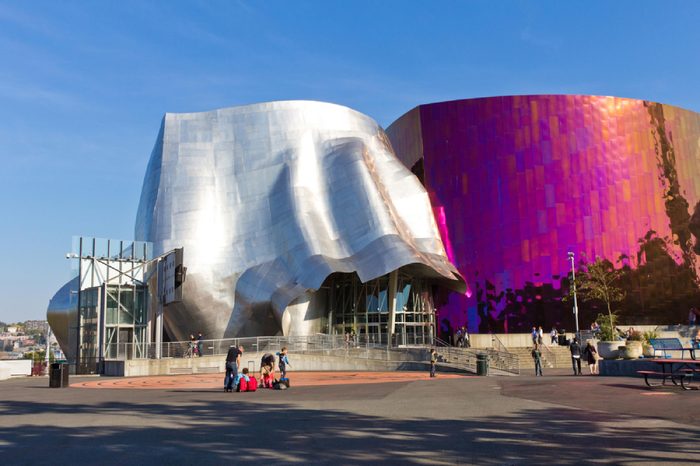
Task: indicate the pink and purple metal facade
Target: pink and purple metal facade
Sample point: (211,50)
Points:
(517,182)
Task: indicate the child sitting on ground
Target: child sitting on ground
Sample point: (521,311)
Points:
(246,383)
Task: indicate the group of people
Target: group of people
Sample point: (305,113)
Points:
(589,352)
(350,339)
(245,382)
(537,336)
(577,353)
(461,338)
(195,346)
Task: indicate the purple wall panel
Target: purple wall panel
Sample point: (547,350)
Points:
(517,182)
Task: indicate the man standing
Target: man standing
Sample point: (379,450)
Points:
(537,357)
(200,344)
(433,361)
(575,350)
(233,360)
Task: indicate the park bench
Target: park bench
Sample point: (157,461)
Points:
(670,344)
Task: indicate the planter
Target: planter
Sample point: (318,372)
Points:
(610,349)
(648,351)
(633,350)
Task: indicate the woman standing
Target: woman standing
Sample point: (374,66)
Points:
(591,358)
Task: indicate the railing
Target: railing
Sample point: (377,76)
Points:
(466,357)
(498,344)
(370,347)
(549,356)
(501,357)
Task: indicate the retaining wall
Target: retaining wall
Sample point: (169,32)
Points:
(216,364)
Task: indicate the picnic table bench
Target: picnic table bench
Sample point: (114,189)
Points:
(674,377)
(670,344)
(682,374)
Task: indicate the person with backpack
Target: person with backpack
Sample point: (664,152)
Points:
(537,356)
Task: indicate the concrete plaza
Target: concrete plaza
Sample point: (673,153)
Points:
(556,419)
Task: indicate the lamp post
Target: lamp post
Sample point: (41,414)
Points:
(573,280)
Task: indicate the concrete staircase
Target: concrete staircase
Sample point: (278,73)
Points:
(552,357)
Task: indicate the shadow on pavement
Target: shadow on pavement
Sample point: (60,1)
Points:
(209,432)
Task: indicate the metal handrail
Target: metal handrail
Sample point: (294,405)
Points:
(500,345)
(550,354)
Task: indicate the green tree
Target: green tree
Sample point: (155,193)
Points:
(599,281)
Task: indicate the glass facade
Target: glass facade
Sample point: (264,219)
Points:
(126,322)
(364,308)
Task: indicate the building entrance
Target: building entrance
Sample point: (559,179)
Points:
(379,311)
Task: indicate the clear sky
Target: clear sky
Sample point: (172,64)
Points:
(84,85)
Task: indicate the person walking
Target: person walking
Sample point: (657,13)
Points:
(233,361)
(433,362)
(575,349)
(540,335)
(591,358)
(553,336)
(467,343)
(533,334)
(537,356)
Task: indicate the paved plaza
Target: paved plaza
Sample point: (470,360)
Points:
(337,418)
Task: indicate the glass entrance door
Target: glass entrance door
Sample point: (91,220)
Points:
(126,340)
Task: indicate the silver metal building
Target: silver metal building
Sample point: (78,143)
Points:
(295,218)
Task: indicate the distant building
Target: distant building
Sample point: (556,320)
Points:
(40,325)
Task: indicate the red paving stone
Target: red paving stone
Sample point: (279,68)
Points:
(298,379)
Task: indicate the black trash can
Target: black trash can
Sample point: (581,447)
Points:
(58,375)
(482,364)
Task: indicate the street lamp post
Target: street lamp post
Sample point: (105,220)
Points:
(573,280)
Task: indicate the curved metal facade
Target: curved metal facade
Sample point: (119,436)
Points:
(517,182)
(270,199)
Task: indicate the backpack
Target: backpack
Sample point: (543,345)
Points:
(242,385)
(252,384)
(280,385)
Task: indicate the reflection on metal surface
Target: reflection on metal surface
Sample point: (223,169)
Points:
(62,316)
(270,199)
(519,181)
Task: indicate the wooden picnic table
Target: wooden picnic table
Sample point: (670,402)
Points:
(679,371)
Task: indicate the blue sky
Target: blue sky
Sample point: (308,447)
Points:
(84,85)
